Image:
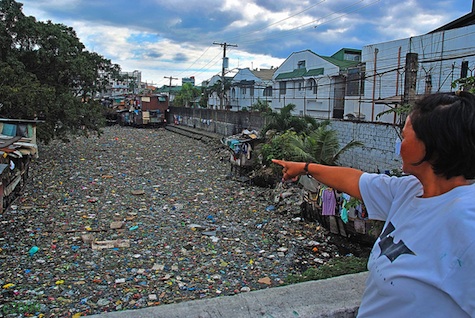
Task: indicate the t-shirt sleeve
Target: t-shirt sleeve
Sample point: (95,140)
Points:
(380,191)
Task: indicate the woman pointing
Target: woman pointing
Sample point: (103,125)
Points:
(423,263)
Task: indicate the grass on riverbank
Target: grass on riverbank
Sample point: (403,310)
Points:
(336,267)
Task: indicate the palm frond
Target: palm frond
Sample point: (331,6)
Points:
(298,146)
(326,146)
(348,146)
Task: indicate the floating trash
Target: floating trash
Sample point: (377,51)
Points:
(113,233)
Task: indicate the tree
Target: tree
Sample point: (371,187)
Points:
(320,145)
(46,71)
(466,83)
(186,95)
(261,106)
(204,97)
(218,89)
(284,120)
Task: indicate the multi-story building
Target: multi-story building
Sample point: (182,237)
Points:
(128,83)
(190,80)
(357,84)
(315,84)
(249,86)
(398,72)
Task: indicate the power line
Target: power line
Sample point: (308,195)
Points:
(298,28)
(277,22)
(268,26)
(311,24)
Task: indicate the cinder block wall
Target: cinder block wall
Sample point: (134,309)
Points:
(379,150)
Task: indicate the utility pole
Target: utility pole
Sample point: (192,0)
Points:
(375,73)
(170,87)
(410,78)
(224,46)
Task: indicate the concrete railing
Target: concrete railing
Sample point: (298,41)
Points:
(337,297)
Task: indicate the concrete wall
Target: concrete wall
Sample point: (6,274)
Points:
(222,122)
(378,153)
(379,150)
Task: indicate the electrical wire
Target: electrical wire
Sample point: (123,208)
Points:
(297,28)
(427,58)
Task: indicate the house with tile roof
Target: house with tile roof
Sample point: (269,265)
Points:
(315,84)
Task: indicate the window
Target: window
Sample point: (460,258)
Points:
(352,57)
(282,88)
(301,64)
(300,86)
(312,86)
(243,91)
(355,81)
(268,91)
(251,90)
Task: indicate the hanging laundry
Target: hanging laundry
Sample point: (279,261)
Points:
(329,202)
(345,198)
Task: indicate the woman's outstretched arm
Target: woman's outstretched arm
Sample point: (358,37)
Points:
(343,179)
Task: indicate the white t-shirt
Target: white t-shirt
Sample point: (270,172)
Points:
(423,263)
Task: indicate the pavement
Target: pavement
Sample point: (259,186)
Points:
(335,297)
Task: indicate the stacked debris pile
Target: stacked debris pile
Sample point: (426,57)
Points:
(242,156)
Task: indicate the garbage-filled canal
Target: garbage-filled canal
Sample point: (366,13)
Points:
(143,217)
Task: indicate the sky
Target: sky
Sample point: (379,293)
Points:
(184,38)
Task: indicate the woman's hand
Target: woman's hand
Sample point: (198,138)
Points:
(290,170)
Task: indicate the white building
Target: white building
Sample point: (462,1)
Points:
(359,84)
(249,86)
(129,83)
(315,84)
(214,98)
(443,56)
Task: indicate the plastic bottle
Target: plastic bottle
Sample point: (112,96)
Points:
(33,250)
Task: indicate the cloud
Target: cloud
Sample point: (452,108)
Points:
(175,38)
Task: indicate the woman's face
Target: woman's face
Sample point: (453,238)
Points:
(412,150)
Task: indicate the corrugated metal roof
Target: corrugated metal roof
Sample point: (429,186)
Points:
(315,72)
(340,55)
(342,64)
(295,73)
(301,72)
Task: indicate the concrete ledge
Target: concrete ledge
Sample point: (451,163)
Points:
(335,297)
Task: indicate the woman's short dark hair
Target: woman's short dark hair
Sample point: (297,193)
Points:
(445,123)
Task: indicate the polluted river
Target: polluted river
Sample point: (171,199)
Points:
(143,217)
